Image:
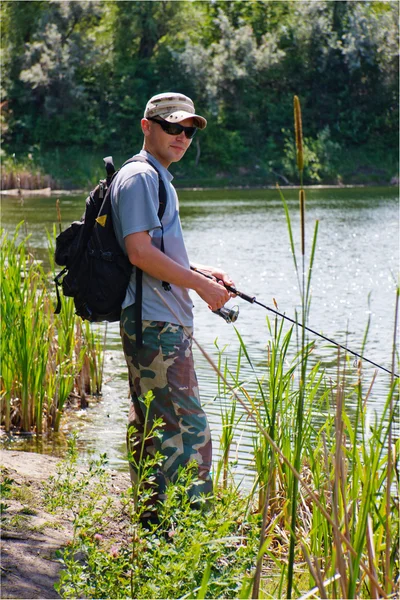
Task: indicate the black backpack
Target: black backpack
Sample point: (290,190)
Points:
(97,272)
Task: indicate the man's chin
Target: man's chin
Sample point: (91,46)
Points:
(176,156)
(176,153)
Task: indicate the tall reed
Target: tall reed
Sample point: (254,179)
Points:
(328,511)
(42,355)
(304,289)
(229,418)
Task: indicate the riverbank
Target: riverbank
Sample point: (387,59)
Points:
(50,192)
(79,168)
(32,535)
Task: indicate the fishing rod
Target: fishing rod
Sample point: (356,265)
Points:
(231,315)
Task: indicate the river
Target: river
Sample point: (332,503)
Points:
(245,232)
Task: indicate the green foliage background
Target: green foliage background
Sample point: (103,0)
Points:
(76,76)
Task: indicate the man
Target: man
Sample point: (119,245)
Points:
(164,363)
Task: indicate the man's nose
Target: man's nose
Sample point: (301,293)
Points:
(181,136)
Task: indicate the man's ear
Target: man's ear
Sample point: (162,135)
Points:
(145,124)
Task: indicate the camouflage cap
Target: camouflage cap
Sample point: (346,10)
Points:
(174,108)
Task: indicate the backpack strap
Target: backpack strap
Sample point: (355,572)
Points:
(162,192)
(162,199)
(58,284)
(109,165)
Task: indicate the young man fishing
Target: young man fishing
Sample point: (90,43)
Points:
(164,363)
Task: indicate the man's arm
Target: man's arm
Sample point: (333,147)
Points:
(150,259)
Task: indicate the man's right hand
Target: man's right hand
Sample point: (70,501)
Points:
(212,292)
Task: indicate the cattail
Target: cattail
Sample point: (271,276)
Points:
(299,133)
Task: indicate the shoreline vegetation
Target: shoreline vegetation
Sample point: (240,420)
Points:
(49,361)
(345,523)
(26,178)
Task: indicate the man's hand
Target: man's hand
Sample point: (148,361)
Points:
(212,292)
(219,275)
(224,277)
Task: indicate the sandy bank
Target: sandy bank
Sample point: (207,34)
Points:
(31,536)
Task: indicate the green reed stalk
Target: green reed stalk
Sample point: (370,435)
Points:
(276,402)
(229,424)
(24,328)
(8,272)
(298,127)
(388,570)
(359,472)
(65,385)
(229,421)
(373,473)
(279,386)
(298,443)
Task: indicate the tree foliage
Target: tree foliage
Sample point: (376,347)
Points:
(80,72)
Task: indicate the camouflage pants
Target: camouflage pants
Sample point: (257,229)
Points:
(165,366)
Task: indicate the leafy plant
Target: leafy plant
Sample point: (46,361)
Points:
(71,487)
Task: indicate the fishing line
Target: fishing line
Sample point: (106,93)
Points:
(253,300)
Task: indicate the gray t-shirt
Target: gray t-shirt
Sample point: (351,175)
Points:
(134,199)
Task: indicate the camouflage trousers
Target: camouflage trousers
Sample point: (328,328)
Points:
(164,365)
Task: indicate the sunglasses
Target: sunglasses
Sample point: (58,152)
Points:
(174,128)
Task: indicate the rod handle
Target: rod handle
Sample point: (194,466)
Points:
(230,288)
(242,295)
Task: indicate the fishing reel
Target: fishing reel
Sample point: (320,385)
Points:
(230,315)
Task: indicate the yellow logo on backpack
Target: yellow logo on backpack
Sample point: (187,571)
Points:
(102,220)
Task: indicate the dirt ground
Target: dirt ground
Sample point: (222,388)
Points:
(31,536)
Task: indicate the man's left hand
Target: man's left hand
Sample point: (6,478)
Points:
(224,278)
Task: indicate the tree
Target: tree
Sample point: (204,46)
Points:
(81,72)
(49,95)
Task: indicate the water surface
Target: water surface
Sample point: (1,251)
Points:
(245,232)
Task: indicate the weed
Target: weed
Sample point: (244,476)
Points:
(27,510)
(24,494)
(71,487)
(5,492)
